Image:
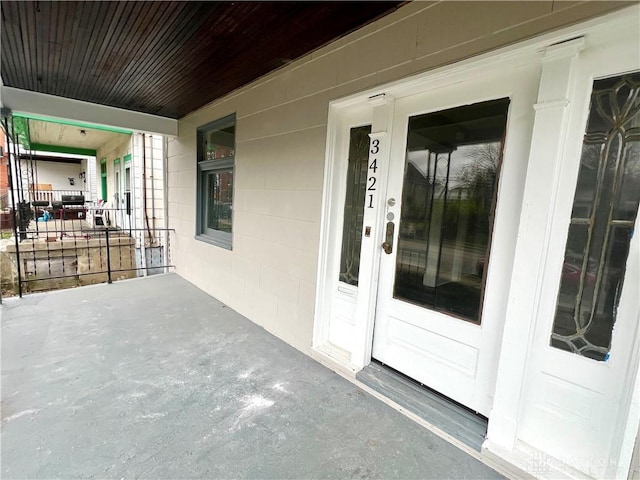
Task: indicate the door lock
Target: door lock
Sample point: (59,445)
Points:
(386,246)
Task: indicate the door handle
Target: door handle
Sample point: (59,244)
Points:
(387,246)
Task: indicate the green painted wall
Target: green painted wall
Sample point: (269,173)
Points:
(63,149)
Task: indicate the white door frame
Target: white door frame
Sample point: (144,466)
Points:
(380,102)
(518,332)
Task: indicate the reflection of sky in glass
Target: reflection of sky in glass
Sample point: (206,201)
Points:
(461,159)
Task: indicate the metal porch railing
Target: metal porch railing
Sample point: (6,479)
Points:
(64,250)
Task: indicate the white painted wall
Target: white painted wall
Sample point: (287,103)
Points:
(270,275)
(52,173)
(57,174)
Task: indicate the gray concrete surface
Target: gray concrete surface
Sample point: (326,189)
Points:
(152,378)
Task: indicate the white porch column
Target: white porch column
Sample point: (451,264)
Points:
(541,186)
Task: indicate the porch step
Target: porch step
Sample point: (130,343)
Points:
(438,410)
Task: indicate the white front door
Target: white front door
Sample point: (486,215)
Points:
(457,160)
(122,197)
(425,260)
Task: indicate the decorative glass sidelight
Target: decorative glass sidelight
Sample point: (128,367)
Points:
(354,204)
(605,207)
(448,201)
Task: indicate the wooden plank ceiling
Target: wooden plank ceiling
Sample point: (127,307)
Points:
(163,58)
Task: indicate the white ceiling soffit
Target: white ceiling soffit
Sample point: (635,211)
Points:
(33,103)
(48,133)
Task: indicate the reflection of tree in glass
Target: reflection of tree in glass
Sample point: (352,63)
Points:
(604,212)
(472,196)
(633,164)
(479,177)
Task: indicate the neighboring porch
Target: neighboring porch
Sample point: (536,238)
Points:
(61,253)
(154,378)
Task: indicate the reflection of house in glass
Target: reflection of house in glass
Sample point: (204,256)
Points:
(447,206)
(221,194)
(217,143)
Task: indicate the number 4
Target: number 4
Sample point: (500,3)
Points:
(373,165)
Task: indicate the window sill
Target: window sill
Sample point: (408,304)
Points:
(218,242)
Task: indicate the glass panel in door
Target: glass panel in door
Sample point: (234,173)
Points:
(354,204)
(604,212)
(449,193)
(127,190)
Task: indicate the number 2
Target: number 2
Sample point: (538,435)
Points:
(375,148)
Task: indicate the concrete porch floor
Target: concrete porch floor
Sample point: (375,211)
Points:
(153,378)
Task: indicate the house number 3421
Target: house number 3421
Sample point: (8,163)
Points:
(373,168)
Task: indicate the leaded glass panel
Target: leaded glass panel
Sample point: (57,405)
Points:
(354,204)
(604,210)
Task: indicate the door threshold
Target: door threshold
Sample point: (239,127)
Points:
(443,413)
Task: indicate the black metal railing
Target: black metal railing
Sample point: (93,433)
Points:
(67,250)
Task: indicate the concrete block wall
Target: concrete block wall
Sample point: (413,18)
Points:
(154,153)
(270,275)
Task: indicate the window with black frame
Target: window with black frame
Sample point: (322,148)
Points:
(216,159)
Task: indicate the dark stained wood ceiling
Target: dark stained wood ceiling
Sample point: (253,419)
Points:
(163,58)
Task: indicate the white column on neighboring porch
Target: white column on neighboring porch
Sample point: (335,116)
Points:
(541,186)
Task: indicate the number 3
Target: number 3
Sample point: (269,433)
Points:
(375,146)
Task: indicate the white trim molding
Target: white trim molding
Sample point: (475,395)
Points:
(34,103)
(557,115)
